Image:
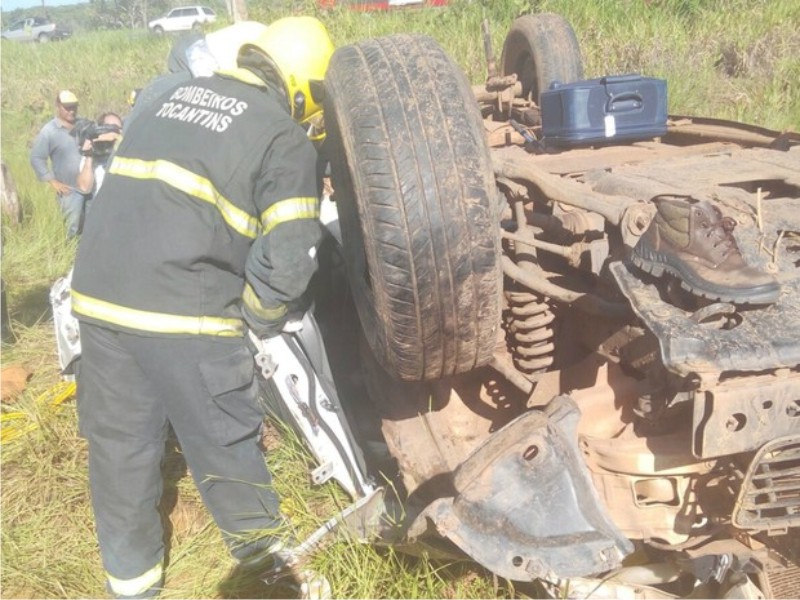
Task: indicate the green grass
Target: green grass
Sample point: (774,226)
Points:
(737,59)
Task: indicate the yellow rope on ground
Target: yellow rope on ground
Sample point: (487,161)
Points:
(14,425)
(13,430)
(61,391)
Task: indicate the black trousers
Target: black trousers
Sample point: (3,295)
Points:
(129,388)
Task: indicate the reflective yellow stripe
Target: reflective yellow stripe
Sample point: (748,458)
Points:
(289,210)
(143,320)
(189,183)
(137,585)
(254,304)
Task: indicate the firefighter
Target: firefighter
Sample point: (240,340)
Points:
(206,226)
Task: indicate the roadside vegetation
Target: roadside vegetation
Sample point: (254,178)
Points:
(735,59)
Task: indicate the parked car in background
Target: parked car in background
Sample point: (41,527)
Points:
(35,29)
(183,18)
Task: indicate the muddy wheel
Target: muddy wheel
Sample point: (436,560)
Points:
(541,49)
(417,203)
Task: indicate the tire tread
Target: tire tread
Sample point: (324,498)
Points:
(422,180)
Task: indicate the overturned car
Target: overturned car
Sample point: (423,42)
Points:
(570,396)
(567,322)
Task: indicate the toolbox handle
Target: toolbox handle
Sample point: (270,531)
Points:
(624,102)
(620,78)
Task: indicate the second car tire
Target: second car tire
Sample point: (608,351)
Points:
(418,205)
(542,49)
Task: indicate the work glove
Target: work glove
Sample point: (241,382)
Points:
(267,329)
(290,322)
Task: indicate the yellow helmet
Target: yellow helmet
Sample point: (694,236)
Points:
(300,49)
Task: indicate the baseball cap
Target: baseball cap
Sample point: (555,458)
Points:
(66,97)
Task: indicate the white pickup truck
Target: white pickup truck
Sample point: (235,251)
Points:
(35,29)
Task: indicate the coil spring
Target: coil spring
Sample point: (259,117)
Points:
(528,330)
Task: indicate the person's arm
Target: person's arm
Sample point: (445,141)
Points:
(85,180)
(40,156)
(283,258)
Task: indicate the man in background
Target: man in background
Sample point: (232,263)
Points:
(56,158)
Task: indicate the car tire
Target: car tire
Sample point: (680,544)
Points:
(418,205)
(197,26)
(158,30)
(43,38)
(541,49)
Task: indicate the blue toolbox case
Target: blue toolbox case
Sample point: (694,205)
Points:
(604,110)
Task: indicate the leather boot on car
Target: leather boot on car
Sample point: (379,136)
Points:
(691,240)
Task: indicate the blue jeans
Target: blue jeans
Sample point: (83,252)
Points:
(73,206)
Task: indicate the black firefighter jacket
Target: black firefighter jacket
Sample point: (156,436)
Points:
(208,215)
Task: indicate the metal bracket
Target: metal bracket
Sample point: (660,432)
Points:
(312,407)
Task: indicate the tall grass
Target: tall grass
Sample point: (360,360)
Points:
(737,59)
(102,69)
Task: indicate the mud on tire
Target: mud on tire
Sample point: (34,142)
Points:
(542,48)
(417,204)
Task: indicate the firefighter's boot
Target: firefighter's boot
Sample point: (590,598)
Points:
(277,572)
(692,240)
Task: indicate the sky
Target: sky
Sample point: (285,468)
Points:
(8,5)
